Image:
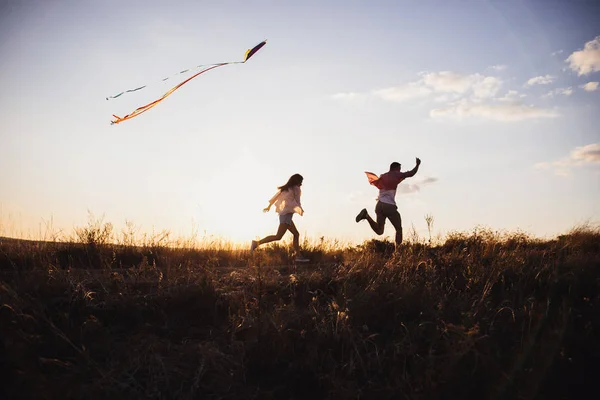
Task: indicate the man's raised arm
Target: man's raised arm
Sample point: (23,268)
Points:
(413,171)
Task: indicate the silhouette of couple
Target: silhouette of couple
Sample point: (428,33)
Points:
(287,203)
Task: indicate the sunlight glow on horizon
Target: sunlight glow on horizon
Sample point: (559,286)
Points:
(339,89)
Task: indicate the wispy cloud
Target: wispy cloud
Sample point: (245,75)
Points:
(587,154)
(540,80)
(586,61)
(487,87)
(466,96)
(447,85)
(580,156)
(445,98)
(428,179)
(356,196)
(566,91)
(590,86)
(404,92)
(407,188)
(499,67)
(557,92)
(512,96)
(557,52)
(505,112)
(449,82)
(347,96)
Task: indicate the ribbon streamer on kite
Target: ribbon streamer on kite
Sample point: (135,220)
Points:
(142,109)
(162,80)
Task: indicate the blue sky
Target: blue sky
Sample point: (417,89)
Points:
(498,99)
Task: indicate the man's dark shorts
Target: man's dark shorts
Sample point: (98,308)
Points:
(387,210)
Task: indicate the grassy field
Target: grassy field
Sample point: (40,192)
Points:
(480,315)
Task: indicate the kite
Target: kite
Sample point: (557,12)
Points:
(387,181)
(206,68)
(373,179)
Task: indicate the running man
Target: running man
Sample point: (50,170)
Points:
(386,201)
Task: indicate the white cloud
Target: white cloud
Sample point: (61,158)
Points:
(557,52)
(566,91)
(402,93)
(512,96)
(447,81)
(590,86)
(559,169)
(356,196)
(468,96)
(499,67)
(540,80)
(587,154)
(586,61)
(486,87)
(444,98)
(505,112)
(407,188)
(346,96)
(428,179)
(558,91)
(583,155)
(450,86)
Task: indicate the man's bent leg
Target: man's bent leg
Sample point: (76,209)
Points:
(376,226)
(380,211)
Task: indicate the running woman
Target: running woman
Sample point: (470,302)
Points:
(287,203)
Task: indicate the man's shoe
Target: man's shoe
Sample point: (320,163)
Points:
(361,215)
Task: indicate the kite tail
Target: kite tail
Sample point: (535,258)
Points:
(148,106)
(126,91)
(162,80)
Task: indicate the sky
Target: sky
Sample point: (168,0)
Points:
(499,99)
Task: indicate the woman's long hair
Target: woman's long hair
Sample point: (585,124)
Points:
(294,180)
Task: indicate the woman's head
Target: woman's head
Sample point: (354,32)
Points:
(295,180)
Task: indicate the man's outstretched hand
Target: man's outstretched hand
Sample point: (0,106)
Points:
(418,161)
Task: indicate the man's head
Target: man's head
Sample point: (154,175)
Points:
(395,166)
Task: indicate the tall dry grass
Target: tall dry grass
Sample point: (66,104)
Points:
(480,315)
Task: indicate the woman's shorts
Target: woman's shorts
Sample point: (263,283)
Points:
(286,218)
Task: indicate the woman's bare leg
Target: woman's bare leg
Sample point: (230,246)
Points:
(292,228)
(273,238)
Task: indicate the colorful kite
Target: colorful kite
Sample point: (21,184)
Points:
(373,179)
(386,181)
(207,67)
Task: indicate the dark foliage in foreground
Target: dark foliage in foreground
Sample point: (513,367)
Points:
(478,317)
